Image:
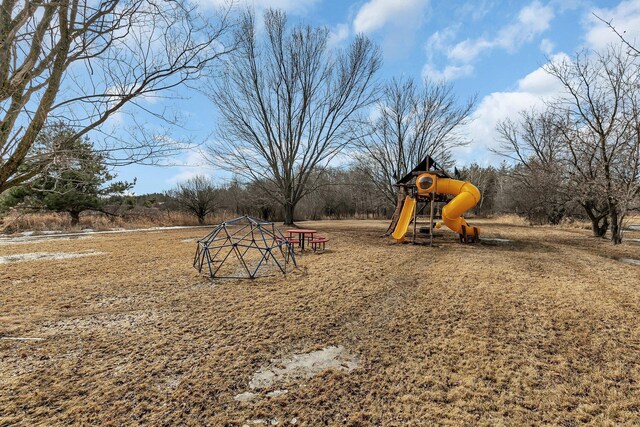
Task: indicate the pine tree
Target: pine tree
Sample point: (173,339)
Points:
(76,178)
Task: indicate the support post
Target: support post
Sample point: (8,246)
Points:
(415,215)
(433,196)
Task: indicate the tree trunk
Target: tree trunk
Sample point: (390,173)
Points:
(75,217)
(599,220)
(289,209)
(612,204)
(599,230)
(201,219)
(266,213)
(616,230)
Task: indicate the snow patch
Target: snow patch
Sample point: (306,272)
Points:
(277,393)
(116,321)
(496,239)
(38,239)
(263,422)
(301,366)
(46,256)
(30,236)
(247,396)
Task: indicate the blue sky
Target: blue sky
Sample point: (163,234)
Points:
(492,49)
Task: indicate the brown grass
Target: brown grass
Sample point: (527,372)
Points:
(17,222)
(508,219)
(543,330)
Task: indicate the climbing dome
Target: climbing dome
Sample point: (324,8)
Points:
(244,247)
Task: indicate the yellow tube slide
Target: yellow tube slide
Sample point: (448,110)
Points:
(405,219)
(466,197)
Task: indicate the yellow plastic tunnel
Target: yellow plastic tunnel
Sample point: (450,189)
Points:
(466,197)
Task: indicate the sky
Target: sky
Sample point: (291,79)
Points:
(494,50)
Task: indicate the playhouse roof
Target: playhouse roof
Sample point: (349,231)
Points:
(426,165)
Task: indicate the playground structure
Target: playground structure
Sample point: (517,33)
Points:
(245,247)
(429,184)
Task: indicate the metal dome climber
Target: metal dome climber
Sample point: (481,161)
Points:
(243,248)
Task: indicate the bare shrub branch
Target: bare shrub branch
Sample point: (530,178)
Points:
(80,62)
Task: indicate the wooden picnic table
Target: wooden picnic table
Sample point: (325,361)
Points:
(302,233)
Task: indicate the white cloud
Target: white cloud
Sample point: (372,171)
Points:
(440,40)
(540,82)
(547,46)
(476,9)
(531,92)
(194,164)
(338,34)
(565,5)
(469,49)
(450,72)
(481,130)
(375,14)
(532,20)
(535,18)
(625,17)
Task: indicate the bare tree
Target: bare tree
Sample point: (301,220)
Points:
(557,164)
(288,104)
(626,166)
(197,195)
(484,178)
(412,123)
(79,62)
(633,50)
(534,141)
(601,107)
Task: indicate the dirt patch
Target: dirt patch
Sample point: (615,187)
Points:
(46,256)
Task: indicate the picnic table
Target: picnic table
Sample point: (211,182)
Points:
(302,235)
(317,241)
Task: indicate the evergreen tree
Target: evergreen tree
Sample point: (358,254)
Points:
(76,178)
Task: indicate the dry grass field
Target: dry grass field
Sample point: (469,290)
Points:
(15,221)
(541,329)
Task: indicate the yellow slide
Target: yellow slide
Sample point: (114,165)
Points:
(405,219)
(466,197)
